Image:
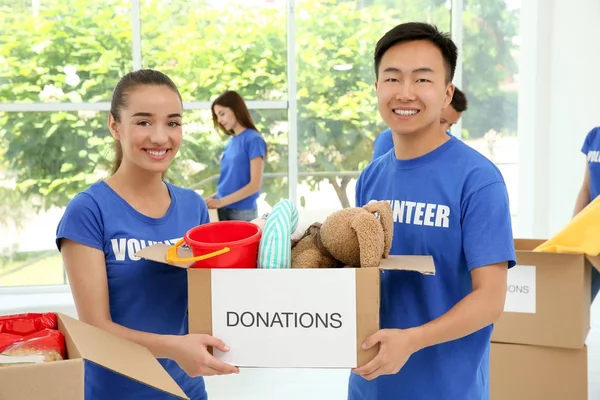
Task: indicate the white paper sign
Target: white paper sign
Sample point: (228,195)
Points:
(286,317)
(520,290)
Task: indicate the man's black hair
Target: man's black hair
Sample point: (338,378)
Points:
(412,31)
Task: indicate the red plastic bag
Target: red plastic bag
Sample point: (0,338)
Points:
(48,343)
(25,324)
(7,339)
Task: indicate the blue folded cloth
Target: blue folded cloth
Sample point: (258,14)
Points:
(275,249)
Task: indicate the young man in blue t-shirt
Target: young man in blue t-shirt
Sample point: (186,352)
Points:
(449,202)
(384,141)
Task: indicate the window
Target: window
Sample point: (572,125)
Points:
(337,106)
(490,81)
(47,157)
(208,47)
(59,63)
(53,51)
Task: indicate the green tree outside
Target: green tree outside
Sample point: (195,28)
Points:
(52,156)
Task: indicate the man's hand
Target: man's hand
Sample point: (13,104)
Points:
(395,348)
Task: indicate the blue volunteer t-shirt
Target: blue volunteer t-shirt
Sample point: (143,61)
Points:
(591,148)
(384,142)
(235,167)
(143,295)
(451,204)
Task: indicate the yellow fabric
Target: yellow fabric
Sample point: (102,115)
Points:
(581,235)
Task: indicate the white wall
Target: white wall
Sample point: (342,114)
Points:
(559,102)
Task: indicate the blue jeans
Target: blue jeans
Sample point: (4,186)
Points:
(595,283)
(233,214)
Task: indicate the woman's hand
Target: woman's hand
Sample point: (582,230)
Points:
(191,354)
(212,203)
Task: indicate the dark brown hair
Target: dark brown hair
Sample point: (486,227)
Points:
(236,103)
(459,100)
(412,31)
(142,77)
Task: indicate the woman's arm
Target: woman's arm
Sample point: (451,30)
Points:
(256,174)
(583,198)
(89,286)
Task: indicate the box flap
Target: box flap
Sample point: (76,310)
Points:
(158,252)
(119,355)
(530,244)
(422,264)
(527,244)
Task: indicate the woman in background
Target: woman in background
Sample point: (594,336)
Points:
(242,162)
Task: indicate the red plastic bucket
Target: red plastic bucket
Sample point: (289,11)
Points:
(241,237)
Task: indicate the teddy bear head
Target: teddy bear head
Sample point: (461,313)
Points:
(359,236)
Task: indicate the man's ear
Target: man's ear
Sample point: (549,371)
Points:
(449,94)
(113,126)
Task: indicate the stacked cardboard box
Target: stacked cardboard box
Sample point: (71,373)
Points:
(538,344)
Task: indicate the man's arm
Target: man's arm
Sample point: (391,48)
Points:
(489,251)
(480,308)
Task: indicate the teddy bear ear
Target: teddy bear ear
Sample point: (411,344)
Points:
(370,241)
(383,210)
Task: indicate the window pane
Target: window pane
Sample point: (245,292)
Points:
(47,158)
(338,117)
(56,51)
(490,81)
(208,47)
(50,157)
(197,165)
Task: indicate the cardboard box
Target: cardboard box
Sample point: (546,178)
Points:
(547,299)
(288,317)
(61,380)
(521,372)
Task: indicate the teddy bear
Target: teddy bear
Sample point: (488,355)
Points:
(352,237)
(308,251)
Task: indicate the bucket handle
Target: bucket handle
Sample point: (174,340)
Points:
(172,256)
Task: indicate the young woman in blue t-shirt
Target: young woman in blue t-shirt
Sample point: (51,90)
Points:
(104,226)
(242,162)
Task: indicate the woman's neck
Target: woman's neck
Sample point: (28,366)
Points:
(132,181)
(238,128)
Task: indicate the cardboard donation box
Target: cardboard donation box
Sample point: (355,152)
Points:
(538,349)
(85,344)
(521,372)
(288,317)
(547,299)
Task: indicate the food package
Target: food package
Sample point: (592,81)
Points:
(30,338)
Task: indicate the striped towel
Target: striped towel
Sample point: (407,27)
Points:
(275,244)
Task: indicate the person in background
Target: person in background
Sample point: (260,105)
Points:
(103,227)
(590,189)
(450,116)
(450,203)
(242,162)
